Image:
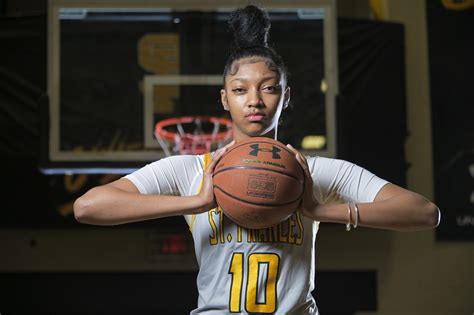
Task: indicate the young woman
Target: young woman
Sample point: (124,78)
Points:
(255,271)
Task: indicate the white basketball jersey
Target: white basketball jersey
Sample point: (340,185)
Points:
(268,271)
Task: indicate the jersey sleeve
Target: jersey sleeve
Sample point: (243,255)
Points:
(336,180)
(169,176)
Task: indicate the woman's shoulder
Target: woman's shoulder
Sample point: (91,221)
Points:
(335,169)
(329,167)
(183,161)
(326,162)
(184,158)
(174,163)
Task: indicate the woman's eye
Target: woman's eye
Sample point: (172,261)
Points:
(238,90)
(271,88)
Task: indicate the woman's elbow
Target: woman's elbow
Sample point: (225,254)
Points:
(86,207)
(432,215)
(81,209)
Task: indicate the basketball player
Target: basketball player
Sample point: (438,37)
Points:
(255,271)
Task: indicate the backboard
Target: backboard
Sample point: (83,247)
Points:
(116,68)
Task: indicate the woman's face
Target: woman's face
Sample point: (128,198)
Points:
(254,97)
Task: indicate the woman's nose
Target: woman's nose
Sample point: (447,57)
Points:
(254,99)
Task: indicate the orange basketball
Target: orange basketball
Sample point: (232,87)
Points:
(258,182)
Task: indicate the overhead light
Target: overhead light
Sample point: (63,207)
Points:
(313,142)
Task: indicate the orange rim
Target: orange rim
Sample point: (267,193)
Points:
(187,137)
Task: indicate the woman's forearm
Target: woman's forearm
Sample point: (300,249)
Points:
(405,212)
(107,205)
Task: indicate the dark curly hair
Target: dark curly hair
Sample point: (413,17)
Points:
(250,28)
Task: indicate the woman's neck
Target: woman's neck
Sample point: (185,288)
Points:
(239,136)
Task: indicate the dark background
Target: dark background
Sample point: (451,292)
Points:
(451,47)
(155,293)
(22,93)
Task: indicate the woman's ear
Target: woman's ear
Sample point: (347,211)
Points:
(224,100)
(286,101)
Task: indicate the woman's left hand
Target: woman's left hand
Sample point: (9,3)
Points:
(309,204)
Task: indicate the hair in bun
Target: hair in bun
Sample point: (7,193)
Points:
(250,28)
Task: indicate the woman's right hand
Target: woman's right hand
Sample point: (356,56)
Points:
(309,205)
(206,195)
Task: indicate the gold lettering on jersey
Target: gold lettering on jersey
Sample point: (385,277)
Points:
(299,238)
(213,236)
(262,235)
(251,236)
(290,231)
(239,234)
(218,234)
(221,224)
(273,234)
(291,224)
(282,236)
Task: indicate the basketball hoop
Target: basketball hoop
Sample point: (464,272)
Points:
(192,134)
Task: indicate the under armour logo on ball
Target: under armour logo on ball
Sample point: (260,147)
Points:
(256,148)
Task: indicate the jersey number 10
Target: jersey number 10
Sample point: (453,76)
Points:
(252,305)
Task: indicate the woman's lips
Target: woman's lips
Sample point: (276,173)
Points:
(255,117)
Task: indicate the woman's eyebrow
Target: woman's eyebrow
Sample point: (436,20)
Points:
(244,79)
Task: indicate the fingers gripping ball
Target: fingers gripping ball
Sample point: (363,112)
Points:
(258,182)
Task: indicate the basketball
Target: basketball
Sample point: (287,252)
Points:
(258,183)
